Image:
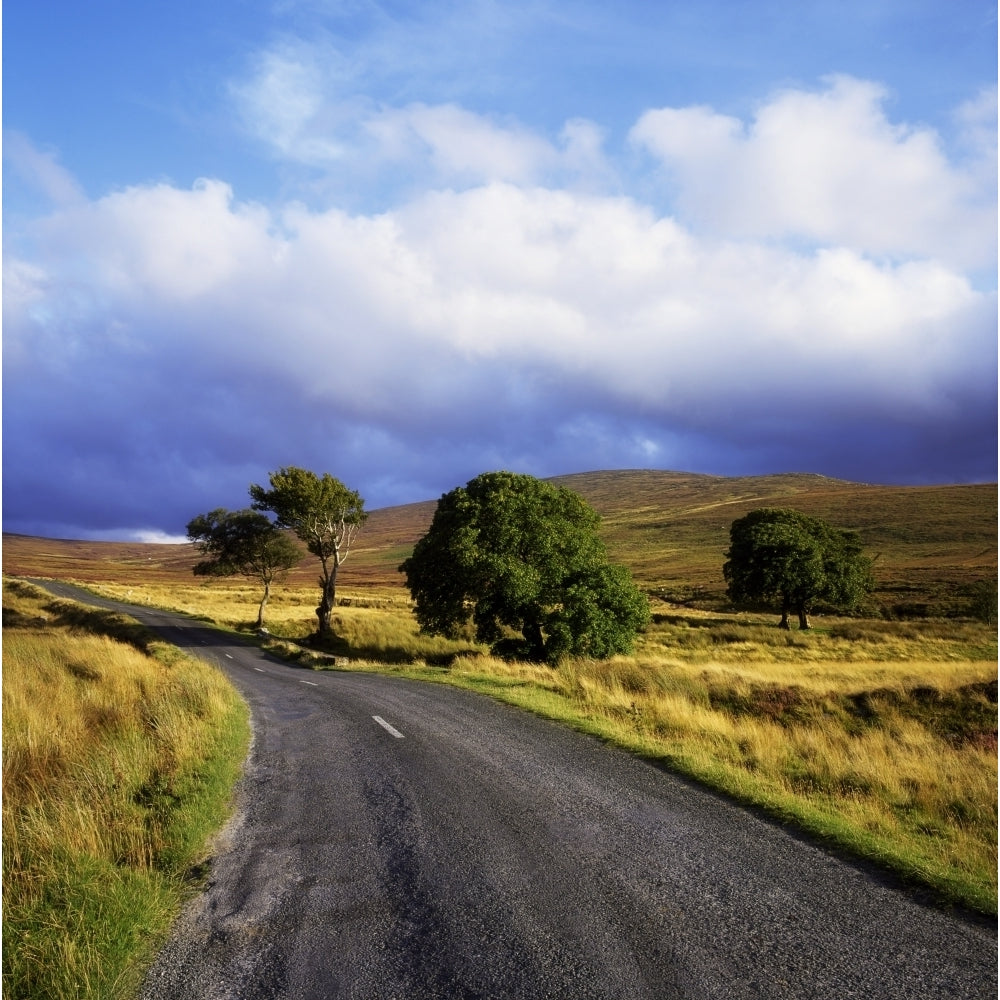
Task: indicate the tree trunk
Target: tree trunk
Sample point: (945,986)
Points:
(532,631)
(328,585)
(323,613)
(263,604)
(784,614)
(803,617)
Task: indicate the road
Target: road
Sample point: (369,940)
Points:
(403,840)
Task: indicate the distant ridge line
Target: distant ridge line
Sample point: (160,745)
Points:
(669,528)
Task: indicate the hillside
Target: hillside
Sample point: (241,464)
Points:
(670,528)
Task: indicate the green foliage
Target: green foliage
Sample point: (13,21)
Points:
(324,513)
(241,542)
(781,555)
(321,510)
(244,543)
(511,552)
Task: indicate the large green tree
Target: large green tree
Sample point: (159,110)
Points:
(325,514)
(796,561)
(512,554)
(244,543)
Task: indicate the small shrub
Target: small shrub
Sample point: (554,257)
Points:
(768,701)
(983,601)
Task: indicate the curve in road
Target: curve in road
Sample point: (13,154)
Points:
(403,840)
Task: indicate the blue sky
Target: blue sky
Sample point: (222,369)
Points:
(407,243)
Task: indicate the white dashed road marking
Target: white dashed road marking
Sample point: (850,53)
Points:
(389,729)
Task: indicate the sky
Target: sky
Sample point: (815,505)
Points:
(410,241)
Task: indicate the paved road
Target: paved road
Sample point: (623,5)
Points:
(404,840)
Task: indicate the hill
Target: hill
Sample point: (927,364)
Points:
(671,528)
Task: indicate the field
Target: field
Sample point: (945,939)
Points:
(877,734)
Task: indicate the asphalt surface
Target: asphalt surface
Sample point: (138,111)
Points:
(404,840)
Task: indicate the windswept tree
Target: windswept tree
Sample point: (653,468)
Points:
(795,561)
(243,543)
(325,514)
(512,554)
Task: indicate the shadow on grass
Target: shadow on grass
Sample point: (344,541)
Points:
(100,621)
(314,653)
(660,618)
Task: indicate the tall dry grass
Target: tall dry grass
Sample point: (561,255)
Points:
(117,765)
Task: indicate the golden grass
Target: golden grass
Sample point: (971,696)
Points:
(116,766)
(375,624)
(687,634)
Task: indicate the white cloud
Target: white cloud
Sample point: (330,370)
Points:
(412,311)
(304,105)
(41,169)
(287,102)
(156,537)
(977,118)
(166,241)
(829,167)
(461,144)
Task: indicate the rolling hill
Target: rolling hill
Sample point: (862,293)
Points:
(931,543)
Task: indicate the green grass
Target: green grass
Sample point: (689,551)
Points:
(120,755)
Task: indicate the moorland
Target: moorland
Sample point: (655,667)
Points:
(932,544)
(874,733)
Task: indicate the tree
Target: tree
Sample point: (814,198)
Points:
(510,553)
(243,543)
(780,555)
(325,514)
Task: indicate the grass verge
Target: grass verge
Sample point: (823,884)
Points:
(120,755)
